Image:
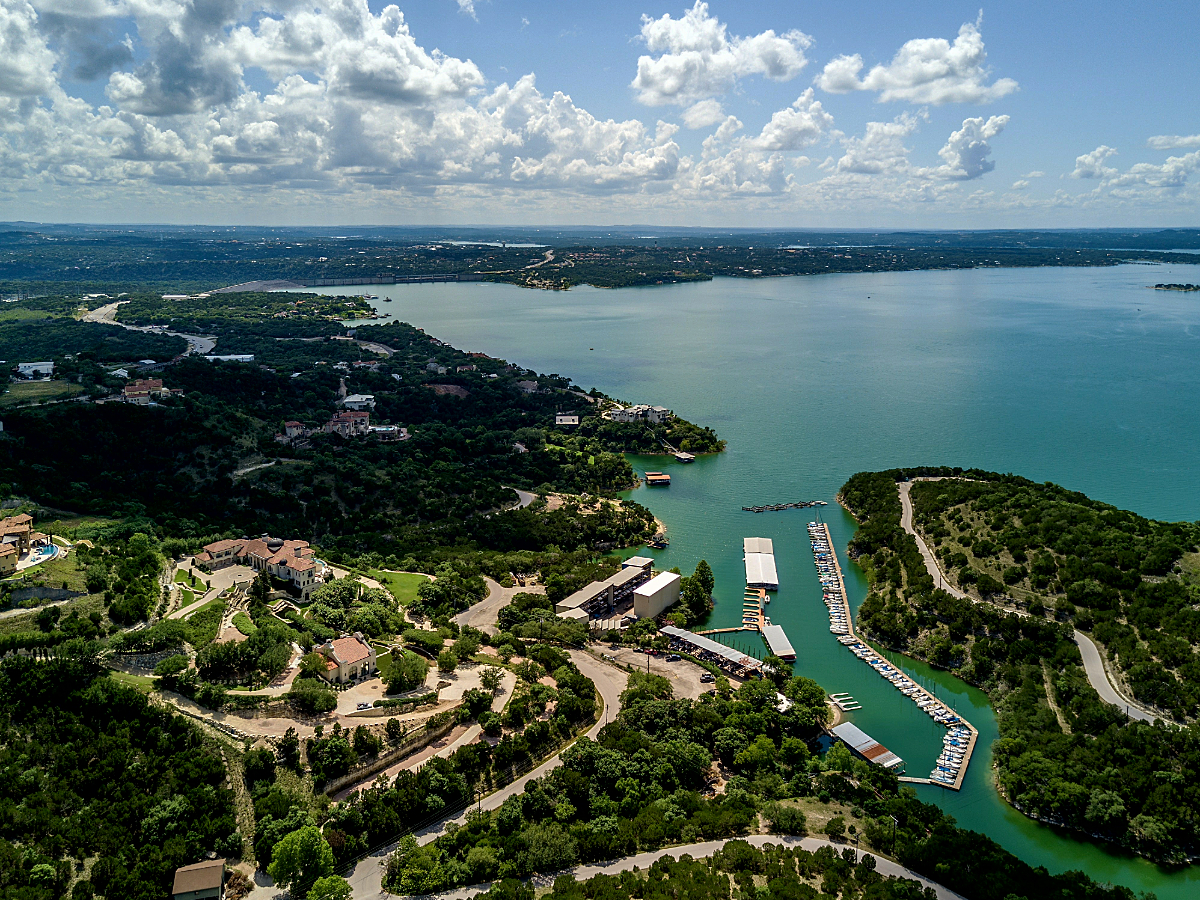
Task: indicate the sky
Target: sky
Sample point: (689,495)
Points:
(769,114)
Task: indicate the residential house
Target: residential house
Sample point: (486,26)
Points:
(359,402)
(462,369)
(294,429)
(527,387)
(17,531)
(566,420)
(656,415)
(349,423)
(142,391)
(8,559)
(348,658)
(200,881)
(290,561)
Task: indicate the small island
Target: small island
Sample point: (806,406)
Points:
(1177,287)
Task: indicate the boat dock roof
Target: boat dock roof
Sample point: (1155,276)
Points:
(757,545)
(866,746)
(778,642)
(761,572)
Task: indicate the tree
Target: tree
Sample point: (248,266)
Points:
(330,887)
(490,678)
(835,828)
(299,859)
(260,589)
(312,666)
(395,731)
(447,661)
(776,669)
(704,578)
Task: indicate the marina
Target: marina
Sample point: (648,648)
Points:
(959,742)
(760,563)
(865,746)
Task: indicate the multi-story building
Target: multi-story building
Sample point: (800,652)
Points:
(290,561)
(348,658)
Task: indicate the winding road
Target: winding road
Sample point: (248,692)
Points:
(1093,661)
(643,861)
(485,614)
(366,880)
(107,315)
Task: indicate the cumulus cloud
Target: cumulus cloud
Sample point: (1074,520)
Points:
(881,148)
(1173,142)
(697,58)
(925,70)
(26,63)
(703,114)
(796,126)
(467,7)
(965,154)
(1091,165)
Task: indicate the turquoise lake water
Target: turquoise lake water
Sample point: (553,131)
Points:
(1080,376)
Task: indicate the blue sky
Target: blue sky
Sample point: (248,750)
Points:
(860,114)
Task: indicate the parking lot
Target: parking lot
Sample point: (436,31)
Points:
(683,674)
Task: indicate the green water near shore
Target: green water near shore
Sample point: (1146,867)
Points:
(1080,376)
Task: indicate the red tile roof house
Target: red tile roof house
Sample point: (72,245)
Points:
(291,561)
(347,658)
(349,423)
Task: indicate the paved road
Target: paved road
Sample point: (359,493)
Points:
(485,614)
(1093,662)
(643,861)
(107,315)
(366,880)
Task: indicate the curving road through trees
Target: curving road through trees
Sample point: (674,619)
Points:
(1093,661)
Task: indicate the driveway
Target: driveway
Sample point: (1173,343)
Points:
(485,614)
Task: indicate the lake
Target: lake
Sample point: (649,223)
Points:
(1080,376)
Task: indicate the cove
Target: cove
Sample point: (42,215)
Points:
(1080,376)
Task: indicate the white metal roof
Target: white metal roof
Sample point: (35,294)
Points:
(757,545)
(760,570)
(866,746)
(656,584)
(778,642)
(700,641)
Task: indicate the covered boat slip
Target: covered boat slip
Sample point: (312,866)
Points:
(705,648)
(778,642)
(760,563)
(867,747)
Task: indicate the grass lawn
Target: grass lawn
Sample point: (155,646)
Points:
(38,392)
(188,578)
(244,624)
(188,597)
(403,585)
(58,573)
(141,682)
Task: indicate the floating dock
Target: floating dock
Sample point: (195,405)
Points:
(867,747)
(657,479)
(959,742)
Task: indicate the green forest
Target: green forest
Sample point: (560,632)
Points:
(1049,560)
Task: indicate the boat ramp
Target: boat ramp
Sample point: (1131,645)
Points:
(959,741)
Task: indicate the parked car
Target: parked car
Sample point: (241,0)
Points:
(364,705)
(674,657)
(708,678)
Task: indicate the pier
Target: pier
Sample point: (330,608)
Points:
(959,742)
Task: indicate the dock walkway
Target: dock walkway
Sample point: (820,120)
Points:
(841,623)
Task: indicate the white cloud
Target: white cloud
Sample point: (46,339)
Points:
(1020,184)
(1036,173)
(881,149)
(698,59)
(796,126)
(26,63)
(1091,165)
(703,114)
(966,152)
(926,70)
(467,7)
(1173,142)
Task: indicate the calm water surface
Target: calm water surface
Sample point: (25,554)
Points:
(1080,376)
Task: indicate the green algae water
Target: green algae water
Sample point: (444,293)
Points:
(1080,376)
